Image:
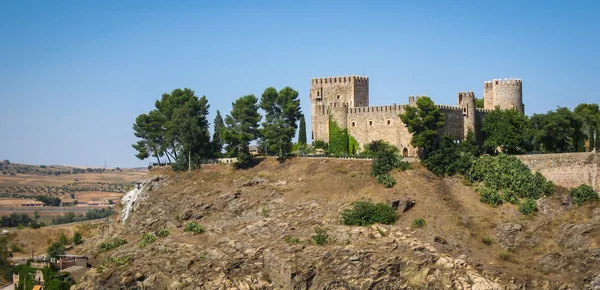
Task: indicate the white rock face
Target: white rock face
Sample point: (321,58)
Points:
(128,201)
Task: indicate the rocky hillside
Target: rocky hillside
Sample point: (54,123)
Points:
(259,232)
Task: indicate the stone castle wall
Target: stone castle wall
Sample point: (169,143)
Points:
(567,169)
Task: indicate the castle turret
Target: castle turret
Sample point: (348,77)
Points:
(507,94)
(466,101)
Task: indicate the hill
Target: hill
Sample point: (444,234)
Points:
(261,227)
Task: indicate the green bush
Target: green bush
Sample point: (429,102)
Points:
(193,227)
(146,239)
(418,223)
(583,194)
(63,239)
(490,196)
(112,244)
(452,158)
(366,213)
(162,232)
(509,196)
(528,207)
(16,248)
(487,240)
(292,240)
(385,161)
(387,180)
(321,237)
(264,212)
(77,238)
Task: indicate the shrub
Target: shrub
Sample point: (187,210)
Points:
(582,194)
(77,238)
(162,232)
(366,213)
(487,240)
(193,227)
(265,212)
(528,207)
(385,161)
(146,239)
(292,240)
(504,255)
(321,236)
(490,196)
(387,180)
(418,223)
(508,195)
(112,244)
(63,239)
(16,248)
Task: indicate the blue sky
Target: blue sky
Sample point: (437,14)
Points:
(75,74)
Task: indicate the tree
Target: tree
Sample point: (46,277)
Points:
(423,122)
(557,131)
(149,128)
(63,239)
(506,129)
(479,103)
(282,112)
(590,114)
(77,240)
(56,249)
(302,131)
(190,121)
(216,140)
(5,263)
(241,127)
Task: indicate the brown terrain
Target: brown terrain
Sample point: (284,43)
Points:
(259,225)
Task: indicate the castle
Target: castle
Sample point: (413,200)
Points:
(346,101)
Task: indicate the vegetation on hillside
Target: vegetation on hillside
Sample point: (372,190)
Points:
(241,127)
(386,158)
(366,213)
(282,113)
(423,122)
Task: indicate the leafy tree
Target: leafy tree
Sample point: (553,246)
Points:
(302,131)
(56,249)
(216,140)
(557,131)
(63,239)
(241,127)
(479,103)
(77,240)
(149,128)
(423,121)
(190,121)
(452,157)
(5,263)
(506,129)
(590,114)
(282,112)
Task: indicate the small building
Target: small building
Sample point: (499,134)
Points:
(66,261)
(254,151)
(32,203)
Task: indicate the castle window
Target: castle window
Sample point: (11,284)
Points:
(388,122)
(338,97)
(318,93)
(370,123)
(405,152)
(353,124)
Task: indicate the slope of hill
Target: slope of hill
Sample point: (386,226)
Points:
(260,227)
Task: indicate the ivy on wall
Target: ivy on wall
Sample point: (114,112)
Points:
(340,142)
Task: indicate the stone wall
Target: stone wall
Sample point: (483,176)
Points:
(567,169)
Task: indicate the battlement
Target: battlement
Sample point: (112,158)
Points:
(449,108)
(466,95)
(343,79)
(338,105)
(481,110)
(390,108)
(497,82)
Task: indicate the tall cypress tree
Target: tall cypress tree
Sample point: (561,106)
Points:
(302,132)
(217,142)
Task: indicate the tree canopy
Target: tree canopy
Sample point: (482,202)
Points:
(557,131)
(241,127)
(506,129)
(423,121)
(590,114)
(282,113)
(217,142)
(302,131)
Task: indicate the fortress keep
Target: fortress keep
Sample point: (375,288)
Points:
(346,100)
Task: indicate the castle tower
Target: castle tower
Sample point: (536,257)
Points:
(507,94)
(466,101)
(333,95)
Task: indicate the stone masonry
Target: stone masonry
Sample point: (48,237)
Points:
(346,100)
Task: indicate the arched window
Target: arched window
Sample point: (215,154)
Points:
(370,123)
(353,124)
(318,93)
(388,122)
(338,97)
(405,152)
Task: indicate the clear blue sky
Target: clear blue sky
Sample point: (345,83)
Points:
(75,74)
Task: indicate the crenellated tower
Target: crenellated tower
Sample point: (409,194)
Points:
(466,101)
(507,94)
(334,95)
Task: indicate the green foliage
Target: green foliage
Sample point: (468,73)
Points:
(217,142)
(590,114)
(558,131)
(366,213)
(490,196)
(507,129)
(302,131)
(508,195)
(193,227)
(5,263)
(47,200)
(292,240)
(504,255)
(452,158)
(386,180)
(112,244)
(146,239)
(77,240)
(92,214)
(16,248)
(114,261)
(56,249)
(63,239)
(320,144)
(241,127)
(423,122)
(162,232)
(505,172)
(528,207)
(265,212)
(339,139)
(487,240)
(479,103)
(583,194)
(321,237)
(56,280)
(418,223)
(15,220)
(282,113)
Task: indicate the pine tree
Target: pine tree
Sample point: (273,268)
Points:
(282,112)
(241,127)
(217,142)
(423,121)
(302,131)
